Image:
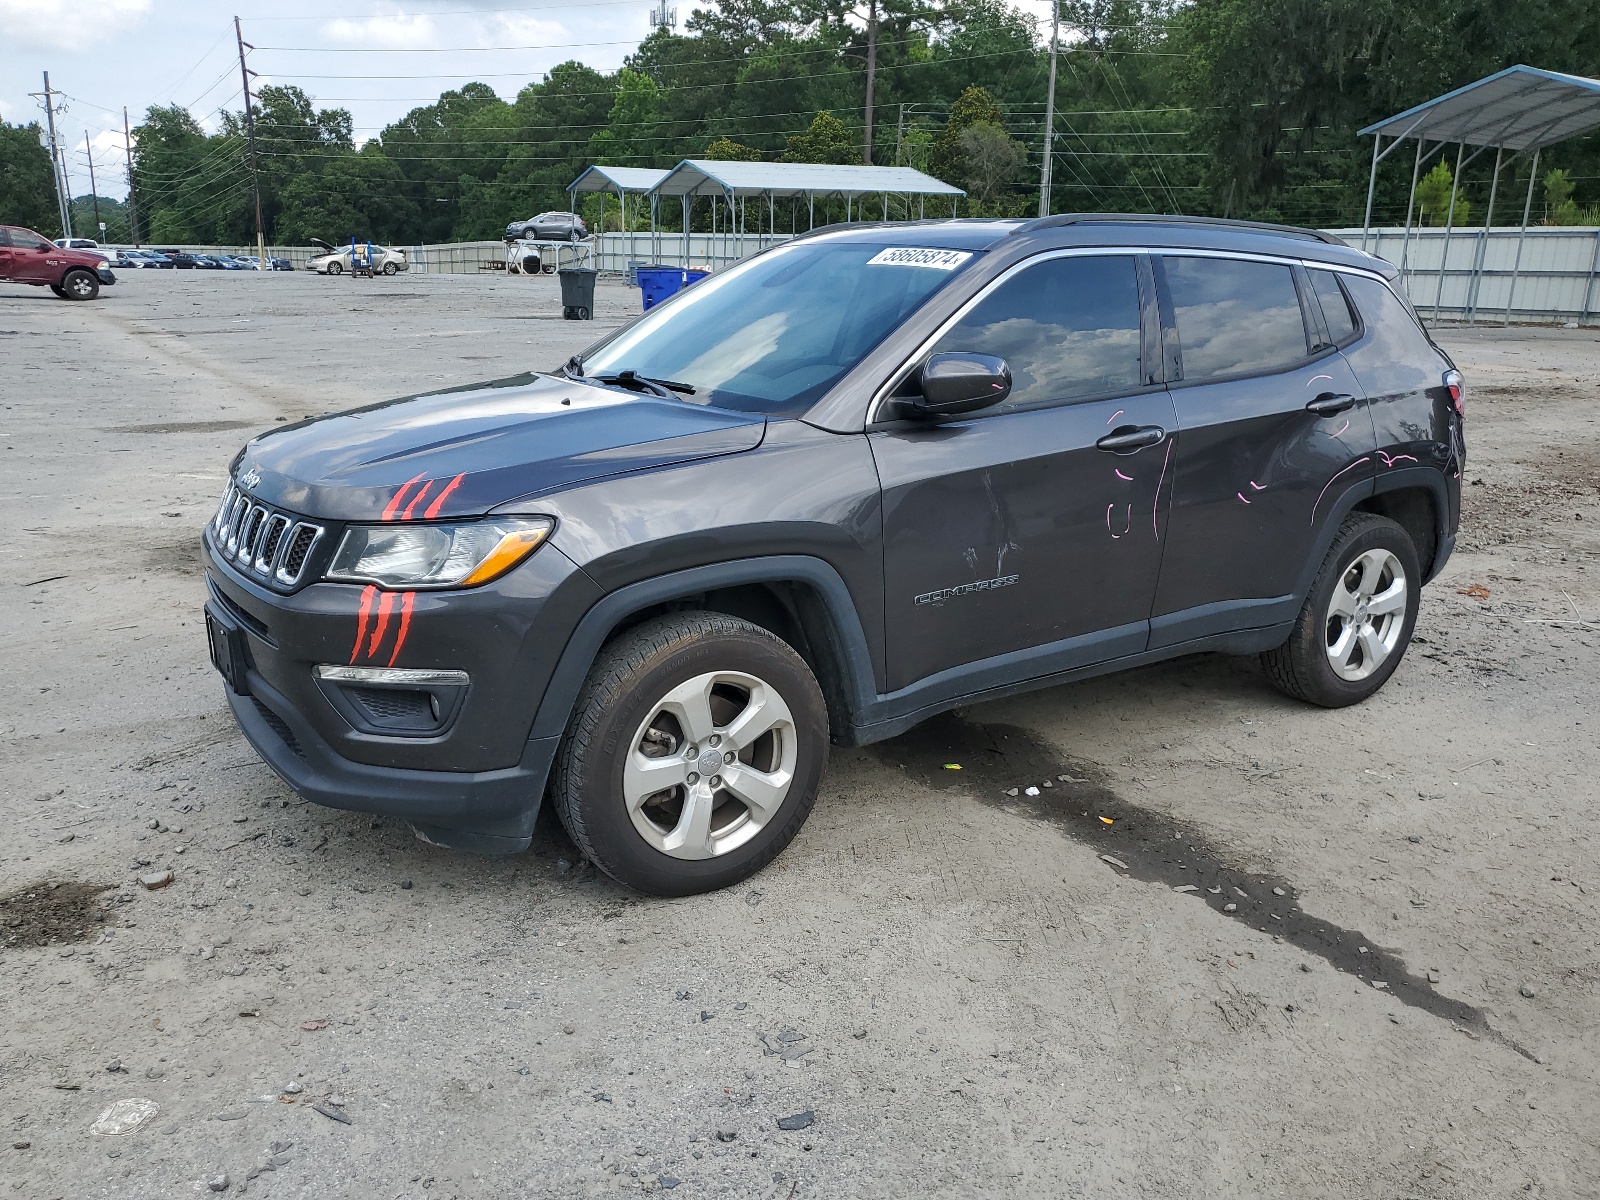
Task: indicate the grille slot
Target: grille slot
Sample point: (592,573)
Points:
(280,727)
(395,706)
(261,540)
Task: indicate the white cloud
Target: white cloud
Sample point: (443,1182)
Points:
(395,31)
(68,24)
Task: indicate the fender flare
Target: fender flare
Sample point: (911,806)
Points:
(1395,480)
(566,681)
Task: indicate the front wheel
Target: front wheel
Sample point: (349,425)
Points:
(80,285)
(1357,620)
(335,269)
(694,754)
(389,268)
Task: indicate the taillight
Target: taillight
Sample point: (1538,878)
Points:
(1458,391)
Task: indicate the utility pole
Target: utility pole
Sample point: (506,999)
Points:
(1050,111)
(94,190)
(872,70)
(133,206)
(250,130)
(63,213)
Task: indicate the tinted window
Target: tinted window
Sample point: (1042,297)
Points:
(1234,316)
(1335,308)
(1067,328)
(5,236)
(25,239)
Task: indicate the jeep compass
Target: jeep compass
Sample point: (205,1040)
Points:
(837,488)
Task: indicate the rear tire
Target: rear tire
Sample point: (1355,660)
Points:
(1357,620)
(694,754)
(79,285)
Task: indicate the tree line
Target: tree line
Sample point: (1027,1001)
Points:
(1245,108)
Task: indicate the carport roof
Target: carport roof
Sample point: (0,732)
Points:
(617,179)
(696,176)
(1520,108)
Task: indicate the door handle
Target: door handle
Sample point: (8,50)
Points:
(1133,439)
(1331,403)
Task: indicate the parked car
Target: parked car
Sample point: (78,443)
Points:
(208,262)
(336,260)
(833,490)
(76,243)
(148,259)
(548,226)
(28,257)
(181,259)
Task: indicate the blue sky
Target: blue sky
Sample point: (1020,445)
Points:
(103,54)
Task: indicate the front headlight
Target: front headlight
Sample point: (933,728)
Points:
(436,556)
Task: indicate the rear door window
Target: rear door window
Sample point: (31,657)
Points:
(1068,328)
(1336,314)
(1234,316)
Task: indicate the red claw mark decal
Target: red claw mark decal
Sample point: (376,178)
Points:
(399,498)
(438,501)
(377,609)
(1389,460)
(404,504)
(368,595)
(406,601)
(1242,500)
(1126,525)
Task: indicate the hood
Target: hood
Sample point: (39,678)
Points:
(464,451)
(75,258)
(325,247)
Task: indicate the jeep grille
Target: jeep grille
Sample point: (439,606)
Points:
(262,541)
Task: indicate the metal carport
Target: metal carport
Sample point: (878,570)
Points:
(624,181)
(734,183)
(1519,109)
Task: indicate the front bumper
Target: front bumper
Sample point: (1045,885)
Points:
(475,779)
(105,276)
(486,812)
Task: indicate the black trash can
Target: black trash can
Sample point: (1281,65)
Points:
(577,292)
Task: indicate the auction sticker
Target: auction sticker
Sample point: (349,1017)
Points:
(910,256)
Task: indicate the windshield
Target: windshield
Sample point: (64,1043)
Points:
(770,335)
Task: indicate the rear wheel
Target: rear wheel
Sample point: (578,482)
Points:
(80,285)
(1357,620)
(694,754)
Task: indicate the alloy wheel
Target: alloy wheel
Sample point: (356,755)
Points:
(710,766)
(1366,615)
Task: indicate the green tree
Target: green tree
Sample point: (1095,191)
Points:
(1559,206)
(974,106)
(827,140)
(992,160)
(727,150)
(1433,198)
(27,196)
(626,140)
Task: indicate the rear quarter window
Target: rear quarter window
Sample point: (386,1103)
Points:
(1390,323)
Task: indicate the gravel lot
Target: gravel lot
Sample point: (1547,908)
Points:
(972,993)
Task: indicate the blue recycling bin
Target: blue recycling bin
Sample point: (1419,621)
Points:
(658,283)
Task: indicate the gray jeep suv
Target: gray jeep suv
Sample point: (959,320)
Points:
(823,495)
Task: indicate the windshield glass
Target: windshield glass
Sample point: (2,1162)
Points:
(770,335)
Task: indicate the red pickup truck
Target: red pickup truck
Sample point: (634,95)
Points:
(25,257)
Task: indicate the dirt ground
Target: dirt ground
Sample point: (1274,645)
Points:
(1383,979)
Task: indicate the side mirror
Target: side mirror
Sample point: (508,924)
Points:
(952,384)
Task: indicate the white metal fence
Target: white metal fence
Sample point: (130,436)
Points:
(1470,273)
(1475,273)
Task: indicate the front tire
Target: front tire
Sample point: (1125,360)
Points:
(335,269)
(1357,620)
(80,285)
(694,754)
(389,268)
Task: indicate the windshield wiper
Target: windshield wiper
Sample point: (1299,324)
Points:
(636,382)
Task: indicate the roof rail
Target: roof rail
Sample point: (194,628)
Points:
(1057,222)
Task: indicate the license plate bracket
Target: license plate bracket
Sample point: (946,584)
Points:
(227,651)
